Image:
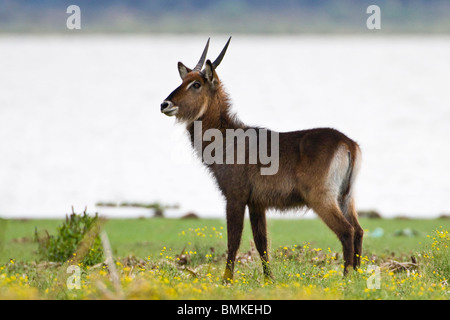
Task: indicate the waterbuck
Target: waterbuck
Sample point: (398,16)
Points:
(316,167)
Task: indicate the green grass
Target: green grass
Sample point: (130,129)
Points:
(143,237)
(184,259)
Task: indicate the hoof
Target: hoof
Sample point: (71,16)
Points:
(269,279)
(227,276)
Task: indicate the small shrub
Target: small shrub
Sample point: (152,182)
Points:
(63,245)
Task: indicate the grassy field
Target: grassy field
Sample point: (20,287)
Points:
(184,259)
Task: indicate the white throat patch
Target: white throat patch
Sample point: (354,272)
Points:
(202,111)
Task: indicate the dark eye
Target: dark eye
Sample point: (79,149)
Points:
(196,85)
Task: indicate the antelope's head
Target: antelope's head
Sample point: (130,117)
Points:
(190,100)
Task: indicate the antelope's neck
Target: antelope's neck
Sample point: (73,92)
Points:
(217,116)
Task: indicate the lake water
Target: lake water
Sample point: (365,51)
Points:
(80,120)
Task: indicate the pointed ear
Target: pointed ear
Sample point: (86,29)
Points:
(209,72)
(183,70)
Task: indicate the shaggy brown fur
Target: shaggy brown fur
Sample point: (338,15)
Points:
(317,168)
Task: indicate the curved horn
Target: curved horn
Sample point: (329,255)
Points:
(220,57)
(200,63)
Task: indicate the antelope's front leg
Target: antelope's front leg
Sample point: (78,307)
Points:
(259,228)
(235,224)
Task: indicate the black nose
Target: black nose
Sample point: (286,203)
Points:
(164,105)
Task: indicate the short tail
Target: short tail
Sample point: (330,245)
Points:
(354,160)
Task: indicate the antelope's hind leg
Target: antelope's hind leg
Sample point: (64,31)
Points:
(351,215)
(331,214)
